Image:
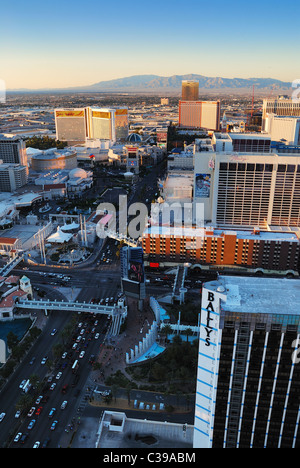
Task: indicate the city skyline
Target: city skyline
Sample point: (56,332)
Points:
(75,45)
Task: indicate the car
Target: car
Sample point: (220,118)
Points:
(54,331)
(82,331)
(63,405)
(58,376)
(32,361)
(22,384)
(64,389)
(18,414)
(24,437)
(50,378)
(82,354)
(97,336)
(51,413)
(53,425)
(74,345)
(31,411)
(38,400)
(44,360)
(92,359)
(64,355)
(46,443)
(18,437)
(36,444)
(53,386)
(31,424)
(39,410)
(80,325)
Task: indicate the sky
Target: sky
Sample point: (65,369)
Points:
(76,43)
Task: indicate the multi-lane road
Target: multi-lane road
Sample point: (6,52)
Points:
(10,395)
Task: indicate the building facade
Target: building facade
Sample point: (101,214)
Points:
(280,106)
(54,159)
(256,250)
(248,376)
(283,129)
(13,150)
(200,114)
(77,125)
(190,90)
(12,177)
(248,189)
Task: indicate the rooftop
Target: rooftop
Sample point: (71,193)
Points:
(138,433)
(252,295)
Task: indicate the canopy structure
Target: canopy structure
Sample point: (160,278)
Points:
(59,237)
(70,227)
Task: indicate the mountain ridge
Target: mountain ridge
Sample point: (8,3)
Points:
(173,83)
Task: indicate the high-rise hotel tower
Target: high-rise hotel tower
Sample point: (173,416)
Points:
(248,380)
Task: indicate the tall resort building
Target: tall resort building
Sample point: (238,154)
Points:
(200,114)
(248,380)
(77,125)
(190,90)
(281,106)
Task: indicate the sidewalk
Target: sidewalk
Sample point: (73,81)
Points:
(113,353)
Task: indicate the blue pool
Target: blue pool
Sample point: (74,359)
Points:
(18,326)
(152,352)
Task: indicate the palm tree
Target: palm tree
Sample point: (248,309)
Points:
(166,330)
(188,333)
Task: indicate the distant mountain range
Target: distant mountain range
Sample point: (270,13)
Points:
(172,84)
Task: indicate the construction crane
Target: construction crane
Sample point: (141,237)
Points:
(252,108)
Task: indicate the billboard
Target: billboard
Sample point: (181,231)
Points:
(202,185)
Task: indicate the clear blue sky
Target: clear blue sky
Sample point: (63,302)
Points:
(70,43)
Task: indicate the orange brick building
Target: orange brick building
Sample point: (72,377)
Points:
(209,246)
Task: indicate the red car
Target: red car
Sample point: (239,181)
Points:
(39,410)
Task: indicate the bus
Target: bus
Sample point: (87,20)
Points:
(75,367)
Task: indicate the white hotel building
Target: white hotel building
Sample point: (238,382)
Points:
(248,378)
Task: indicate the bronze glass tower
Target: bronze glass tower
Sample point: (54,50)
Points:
(190,90)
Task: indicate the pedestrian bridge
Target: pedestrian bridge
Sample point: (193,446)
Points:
(11,265)
(117,313)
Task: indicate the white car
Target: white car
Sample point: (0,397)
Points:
(97,336)
(36,444)
(38,400)
(64,355)
(44,360)
(18,437)
(53,386)
(22,384)
(58,375)
(2,416)
(31,411)
(63,405)
(18,414)
(82,354)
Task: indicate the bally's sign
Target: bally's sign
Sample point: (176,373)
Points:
(209,318)
(210,314)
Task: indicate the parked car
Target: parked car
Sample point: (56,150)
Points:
(18,437)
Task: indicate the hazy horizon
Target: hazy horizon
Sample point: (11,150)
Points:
(71,44)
